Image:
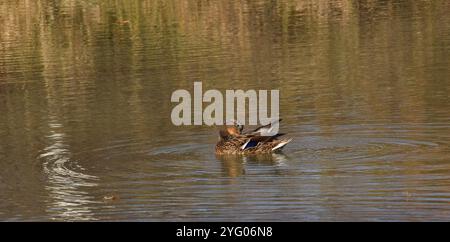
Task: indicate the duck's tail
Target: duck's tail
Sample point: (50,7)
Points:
(280,145)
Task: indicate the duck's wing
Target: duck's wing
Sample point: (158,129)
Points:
(253,141)
(264,130)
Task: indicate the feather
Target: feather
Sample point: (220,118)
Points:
(265,130)
(249,144)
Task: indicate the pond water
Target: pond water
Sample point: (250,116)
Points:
(85,107)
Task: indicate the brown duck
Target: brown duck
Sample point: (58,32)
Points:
(232,140)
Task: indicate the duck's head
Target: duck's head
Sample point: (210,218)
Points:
(230,131)
(233,131)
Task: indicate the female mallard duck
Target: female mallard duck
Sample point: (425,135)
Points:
(233,140)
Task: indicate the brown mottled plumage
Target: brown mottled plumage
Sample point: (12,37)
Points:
(233,141)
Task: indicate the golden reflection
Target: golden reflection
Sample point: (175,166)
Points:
(327,49)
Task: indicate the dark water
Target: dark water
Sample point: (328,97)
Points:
(85,108)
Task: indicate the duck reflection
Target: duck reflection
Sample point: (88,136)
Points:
(235,165)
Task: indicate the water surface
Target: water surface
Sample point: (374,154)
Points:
(85,108)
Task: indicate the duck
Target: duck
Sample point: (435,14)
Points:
(234,141)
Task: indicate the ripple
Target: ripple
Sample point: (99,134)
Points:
(66,180)
(370,142)
(188,148)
